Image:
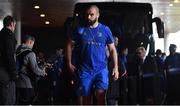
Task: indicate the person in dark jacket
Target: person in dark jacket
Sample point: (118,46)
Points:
(7,62)
(29,69)
(159,60)
(173,59)
(172,67)
(146,84)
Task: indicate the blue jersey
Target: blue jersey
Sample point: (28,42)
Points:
(92,44)
(58,64)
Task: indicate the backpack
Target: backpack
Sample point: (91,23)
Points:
(20,59)
(19,64)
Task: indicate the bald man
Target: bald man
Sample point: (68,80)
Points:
(92,40)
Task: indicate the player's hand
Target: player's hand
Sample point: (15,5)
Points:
(115,73)
(71,68)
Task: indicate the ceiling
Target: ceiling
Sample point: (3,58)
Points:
(57,11)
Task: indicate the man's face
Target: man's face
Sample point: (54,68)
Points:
(125,51)
(30,43)
(13,25)
(172,50)
(116,41)
(91,16)
(141,54)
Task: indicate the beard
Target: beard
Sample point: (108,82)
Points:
(91,22)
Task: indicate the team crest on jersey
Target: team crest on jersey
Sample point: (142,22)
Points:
(99,34)
(84,33)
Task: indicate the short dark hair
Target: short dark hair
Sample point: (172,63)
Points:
(93,6)
(158,52)
(7,20)
(28,37)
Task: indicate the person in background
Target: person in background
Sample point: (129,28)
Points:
(172,68)
(146,65)
(59,78)
(8,73)
(26,82)
(93,38)
(159,60)
(163,56)
(116,43)
(123,56)
(123,75)
(173,60)
(58,64)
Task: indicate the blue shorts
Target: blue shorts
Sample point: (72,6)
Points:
(90,80)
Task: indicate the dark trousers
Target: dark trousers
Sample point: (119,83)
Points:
(24,96)
(7,93)
(132,90)
(123,91)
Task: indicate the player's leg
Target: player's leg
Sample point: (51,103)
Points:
(84,91)
(101,85)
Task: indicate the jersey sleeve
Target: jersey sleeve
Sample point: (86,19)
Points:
(109,35)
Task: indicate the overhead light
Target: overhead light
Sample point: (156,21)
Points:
(77,14)
(36,7)
(149,12)
(47,22)
(42,15)
(170,5)
(162,13)
(176,1)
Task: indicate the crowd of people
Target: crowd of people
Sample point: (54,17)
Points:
(92,69)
